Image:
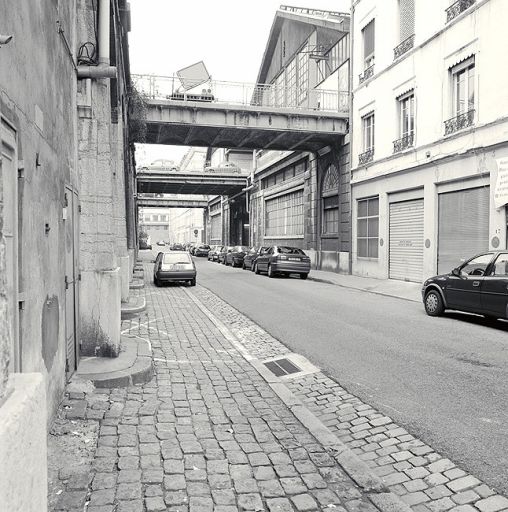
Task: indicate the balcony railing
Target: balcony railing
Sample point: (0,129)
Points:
(458,7)
(237,93)
(460,122)
(366,157)
(403,47)
(366,74)
(403,143)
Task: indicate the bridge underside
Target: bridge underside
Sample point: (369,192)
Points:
(212,125)
(160,202)
(180,183)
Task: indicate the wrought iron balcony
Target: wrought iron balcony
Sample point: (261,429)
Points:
(458,7)
(458,123)
(403,47)
(403,143)
(366,157)
(366,74)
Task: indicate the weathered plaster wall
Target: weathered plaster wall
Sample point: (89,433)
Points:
(37,96)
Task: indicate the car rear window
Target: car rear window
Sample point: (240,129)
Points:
(176,258)
(204,246)
(289,250)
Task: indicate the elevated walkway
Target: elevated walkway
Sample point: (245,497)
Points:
(242,116)
(163,202)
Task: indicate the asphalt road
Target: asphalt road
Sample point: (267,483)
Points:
(443,379)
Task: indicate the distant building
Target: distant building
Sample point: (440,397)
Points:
(155,223)
(429,132)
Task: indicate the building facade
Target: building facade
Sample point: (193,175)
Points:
(294,198)
(428,134)
(66,217)
(155,223)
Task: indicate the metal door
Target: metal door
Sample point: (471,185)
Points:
(10,233)
(406,240)
(71,280)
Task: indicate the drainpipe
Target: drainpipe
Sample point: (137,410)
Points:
(103,69)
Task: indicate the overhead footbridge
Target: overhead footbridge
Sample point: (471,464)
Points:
(170,202)
(242,116)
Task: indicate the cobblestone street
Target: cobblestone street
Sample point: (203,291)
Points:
(207,433)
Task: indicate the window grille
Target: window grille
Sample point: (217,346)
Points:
(284,215)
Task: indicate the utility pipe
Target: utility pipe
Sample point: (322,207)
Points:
(103,29)
(101,71)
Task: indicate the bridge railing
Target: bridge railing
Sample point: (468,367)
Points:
(238,93)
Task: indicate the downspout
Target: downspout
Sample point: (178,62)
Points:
(350,131)
(103,69)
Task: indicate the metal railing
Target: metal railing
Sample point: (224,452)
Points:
(457,8)
(313,12)
(368,73)
(366,157)
(460,122)
(237,93)
(403,47)
(403,143)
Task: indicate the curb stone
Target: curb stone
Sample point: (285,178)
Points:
(361,474)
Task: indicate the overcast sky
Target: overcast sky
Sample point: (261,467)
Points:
(228,35)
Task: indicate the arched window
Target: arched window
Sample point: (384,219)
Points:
(330,201)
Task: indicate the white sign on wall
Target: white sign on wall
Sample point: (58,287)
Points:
(501,192)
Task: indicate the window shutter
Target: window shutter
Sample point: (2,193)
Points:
(407,18)
(368,39)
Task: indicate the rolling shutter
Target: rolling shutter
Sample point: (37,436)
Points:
(463,226)
(406,240)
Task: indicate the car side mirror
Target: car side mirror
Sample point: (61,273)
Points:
(456,272)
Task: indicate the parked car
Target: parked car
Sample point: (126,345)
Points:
(202,250)
(221,257)
(214,252)
(235,257)
(280,259)
(177,247)
(173,267)
(224,168)
(144,245)
(479,285)
(161,243)
(250,258)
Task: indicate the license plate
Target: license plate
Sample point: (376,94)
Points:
(294,259)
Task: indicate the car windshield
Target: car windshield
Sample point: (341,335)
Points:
(176,258)
(289,250)
(204,246)
(254,250)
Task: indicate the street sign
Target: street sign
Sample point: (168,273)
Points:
(196,232)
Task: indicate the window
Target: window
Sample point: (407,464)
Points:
(368,34)
(407,115)
(463,87)
(176,258)
(368,228)
(334,58)
(500,267)
(330,201)
(476,266)
(406,19)
(368,131)
(303,73)
(291,83)
(284,215)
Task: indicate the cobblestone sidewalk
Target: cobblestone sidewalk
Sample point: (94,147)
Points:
(424,479)
(206,434)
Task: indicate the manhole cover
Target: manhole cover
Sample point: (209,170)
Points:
(282,367)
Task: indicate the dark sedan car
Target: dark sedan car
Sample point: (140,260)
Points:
(202,250)
(213,255)
(250,258)
(480,285)
(284,260)
(174,267)
(177,247)
(221,256)
(235,257)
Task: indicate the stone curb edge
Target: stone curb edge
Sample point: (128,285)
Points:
(137,308)
(326,281)
(360,473)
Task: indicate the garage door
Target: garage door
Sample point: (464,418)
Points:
(406,240)
(463,226)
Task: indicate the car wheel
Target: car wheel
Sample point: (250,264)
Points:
(433,303)
(256,268)
(271,273)
(303,276)
(243,266)
(156,282)
(192,282)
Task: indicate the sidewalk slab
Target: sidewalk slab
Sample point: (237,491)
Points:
(390,287)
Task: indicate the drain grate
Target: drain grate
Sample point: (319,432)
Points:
(282,367)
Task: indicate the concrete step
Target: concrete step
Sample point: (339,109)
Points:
(132,366)
(136,304)
(137,284)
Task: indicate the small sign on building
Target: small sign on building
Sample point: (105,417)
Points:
(501,191)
